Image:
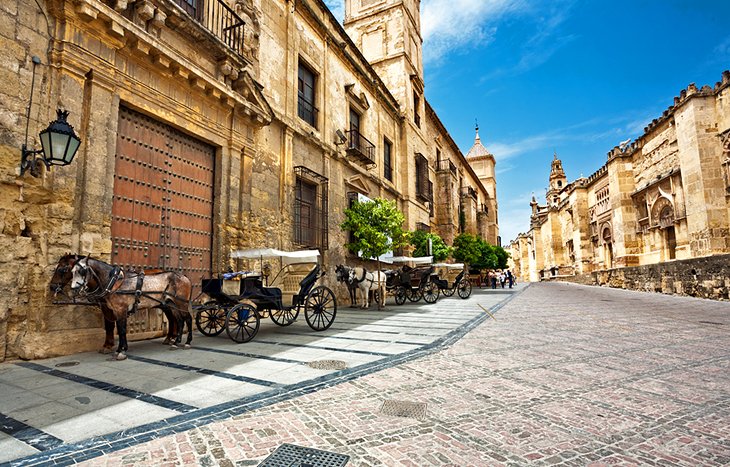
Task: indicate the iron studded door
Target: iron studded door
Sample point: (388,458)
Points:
(162,212)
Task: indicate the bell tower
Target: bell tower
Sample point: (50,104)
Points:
(558,180)
(388,32)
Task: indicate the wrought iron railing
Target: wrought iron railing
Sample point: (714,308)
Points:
(468,191)
(360,147)
(446,165)
(217,17)
(311,213)
(423,227)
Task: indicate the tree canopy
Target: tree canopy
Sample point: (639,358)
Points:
(376,226)
(478,253)
(439,249)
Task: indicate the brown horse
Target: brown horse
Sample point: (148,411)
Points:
(62,276)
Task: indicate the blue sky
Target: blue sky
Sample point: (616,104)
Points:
(566,76)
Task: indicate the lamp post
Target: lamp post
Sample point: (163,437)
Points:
(59,142)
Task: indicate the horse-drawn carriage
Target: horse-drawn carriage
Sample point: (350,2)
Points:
(412,281)
(236,301)
(450,278)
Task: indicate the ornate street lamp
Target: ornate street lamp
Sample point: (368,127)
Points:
(59,142)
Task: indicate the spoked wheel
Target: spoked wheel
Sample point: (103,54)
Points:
(320,308)
(242,323)
(464,288)
(414,295)
(448,292)
(210,319)
(284,316)
(430,292)
(400,296)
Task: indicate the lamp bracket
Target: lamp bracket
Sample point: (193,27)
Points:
(30,161)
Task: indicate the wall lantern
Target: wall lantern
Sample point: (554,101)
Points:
(59,142)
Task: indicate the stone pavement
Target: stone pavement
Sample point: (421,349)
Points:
(67,409)
(564,374)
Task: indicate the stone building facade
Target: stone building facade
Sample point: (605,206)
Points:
(664,197)
(208,126)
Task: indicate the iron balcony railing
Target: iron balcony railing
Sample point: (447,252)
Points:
(217,17)
(360,148)
(446,165)
(468,191)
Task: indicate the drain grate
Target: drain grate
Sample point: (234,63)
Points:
(66,364)
(300,456)
(328,365)
(404,409)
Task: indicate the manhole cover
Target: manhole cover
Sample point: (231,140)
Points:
(404,409)
(66,364)
(328,365)
(300,456)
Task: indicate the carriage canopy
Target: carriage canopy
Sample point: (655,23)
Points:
(287,257)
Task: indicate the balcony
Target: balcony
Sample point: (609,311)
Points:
(360,148)
(445,165)
(218,18)
(423,227)
(484,209)
(467,191)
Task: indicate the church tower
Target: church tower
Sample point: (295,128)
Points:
(483,163)
(558,180)
(388,32)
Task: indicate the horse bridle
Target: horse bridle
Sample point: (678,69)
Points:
(100,291)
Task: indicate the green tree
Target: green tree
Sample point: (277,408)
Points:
(439,249)
(467,249)
(377,227)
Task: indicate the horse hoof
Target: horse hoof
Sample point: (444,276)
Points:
(187,346)
(173,347)
(105,351)
(167,341)
(121,356)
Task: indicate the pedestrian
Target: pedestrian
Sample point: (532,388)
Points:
(510,278)
(502,278)
(493,278)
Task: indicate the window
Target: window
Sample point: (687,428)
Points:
(354,120)
(306,87)
(416,107)
(310,209)
(423,184)
(387,160)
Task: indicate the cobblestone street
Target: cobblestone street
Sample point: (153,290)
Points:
(565,374)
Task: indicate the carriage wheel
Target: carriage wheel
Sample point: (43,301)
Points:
(400,296)
(242,323)
(448,292)
(210,319)
(464,288)
(430,292)
(414,295)
(320,308)
(284,316)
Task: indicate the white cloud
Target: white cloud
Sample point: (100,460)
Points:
(447,25)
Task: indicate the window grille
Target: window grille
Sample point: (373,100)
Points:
(423,192)
(310,209)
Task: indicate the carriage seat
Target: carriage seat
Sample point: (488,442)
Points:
(289,278)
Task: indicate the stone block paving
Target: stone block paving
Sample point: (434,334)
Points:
(565,374)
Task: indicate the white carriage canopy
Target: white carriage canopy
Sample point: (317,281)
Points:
(416,260)
(287,257)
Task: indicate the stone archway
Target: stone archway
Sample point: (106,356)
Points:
(607,238)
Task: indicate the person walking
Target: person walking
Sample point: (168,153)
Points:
(510,278)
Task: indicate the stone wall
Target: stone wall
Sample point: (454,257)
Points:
(707,277)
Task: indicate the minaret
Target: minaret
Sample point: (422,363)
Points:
(558,180)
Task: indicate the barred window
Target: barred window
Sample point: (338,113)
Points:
(422,181)
(387,160)
(310,209)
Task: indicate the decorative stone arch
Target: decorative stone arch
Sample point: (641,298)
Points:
(662,212)
(606,233)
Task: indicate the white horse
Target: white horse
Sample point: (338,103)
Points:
(365,281)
